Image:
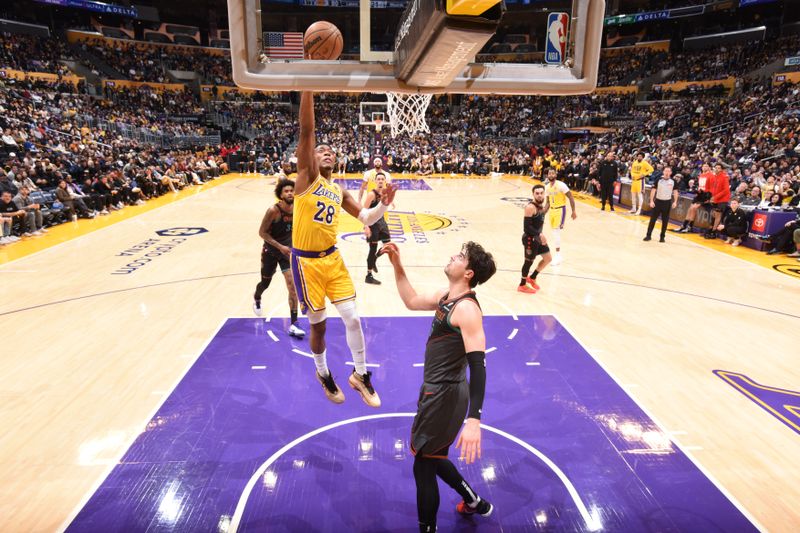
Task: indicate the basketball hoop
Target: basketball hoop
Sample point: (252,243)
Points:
(378,124)
(407,112)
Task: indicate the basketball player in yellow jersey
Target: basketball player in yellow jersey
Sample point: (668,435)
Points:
(557,195)
(317,265)
(368,182)
(640,169)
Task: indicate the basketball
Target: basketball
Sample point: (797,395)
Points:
(323,40)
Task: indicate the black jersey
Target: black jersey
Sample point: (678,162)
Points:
(532,226)
(380,225)
(280,230)
(445,355)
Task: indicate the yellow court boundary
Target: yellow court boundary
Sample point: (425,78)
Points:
(72,230)
(779,263)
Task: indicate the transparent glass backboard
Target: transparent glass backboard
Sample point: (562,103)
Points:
(546,48)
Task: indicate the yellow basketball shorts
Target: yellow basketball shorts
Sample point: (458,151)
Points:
(636,185)
(318,275)
(557,216)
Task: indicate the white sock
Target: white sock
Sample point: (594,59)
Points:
(474,504)
(321,362)
(353,334)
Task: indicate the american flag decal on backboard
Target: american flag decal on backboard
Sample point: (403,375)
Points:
(283,45)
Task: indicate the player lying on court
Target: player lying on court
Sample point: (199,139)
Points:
(456,341)
(317,266)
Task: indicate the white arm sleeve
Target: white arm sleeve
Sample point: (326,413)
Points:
(369,216)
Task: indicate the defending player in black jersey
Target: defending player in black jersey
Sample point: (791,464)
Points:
(276,230)
(534,241)
(379,231)
(456,341)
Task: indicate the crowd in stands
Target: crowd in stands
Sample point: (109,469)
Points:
(62,145)
(55,170)
(140,61)
(33,54)
(629,67)
(730,60)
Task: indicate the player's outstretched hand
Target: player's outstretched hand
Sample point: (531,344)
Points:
(470,441)
(387,198)
(390,249)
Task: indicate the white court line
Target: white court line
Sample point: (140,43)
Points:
(300,352)
(513,334)
(113,224)
(125,449)
(272,312)
(661,426)
(490,350)
(533,363)
(418,364)
(272,336)
(501,304)
(591,520)
(370,365)
(258,367)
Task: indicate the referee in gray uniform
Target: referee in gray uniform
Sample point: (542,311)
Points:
(663,198)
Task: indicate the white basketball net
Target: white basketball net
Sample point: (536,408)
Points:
(407,112)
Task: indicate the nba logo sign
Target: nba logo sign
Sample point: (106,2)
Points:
(556,42)
(759,223)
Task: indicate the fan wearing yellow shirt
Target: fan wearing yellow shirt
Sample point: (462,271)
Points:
(317,266)
(640,169)
(557,195)
(368,182)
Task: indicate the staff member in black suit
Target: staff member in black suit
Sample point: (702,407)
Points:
(608,172)
(663,198)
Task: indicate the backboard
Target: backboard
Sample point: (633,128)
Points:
(539,47)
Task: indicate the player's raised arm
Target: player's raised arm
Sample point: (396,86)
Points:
(412,300)
(307,170)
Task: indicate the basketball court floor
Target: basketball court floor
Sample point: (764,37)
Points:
(646,387)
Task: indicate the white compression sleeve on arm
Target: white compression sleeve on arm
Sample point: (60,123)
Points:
(369,216)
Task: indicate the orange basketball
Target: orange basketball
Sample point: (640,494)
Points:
(323,40)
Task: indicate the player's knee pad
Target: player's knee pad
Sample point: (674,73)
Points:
(315,317)
(349,313)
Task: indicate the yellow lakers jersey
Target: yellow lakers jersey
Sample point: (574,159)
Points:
(640,169)
(316,216)
(556,193)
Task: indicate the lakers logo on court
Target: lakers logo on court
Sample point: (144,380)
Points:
(408,226)
(180,232)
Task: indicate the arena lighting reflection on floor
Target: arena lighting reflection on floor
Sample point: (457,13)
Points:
(235,448)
